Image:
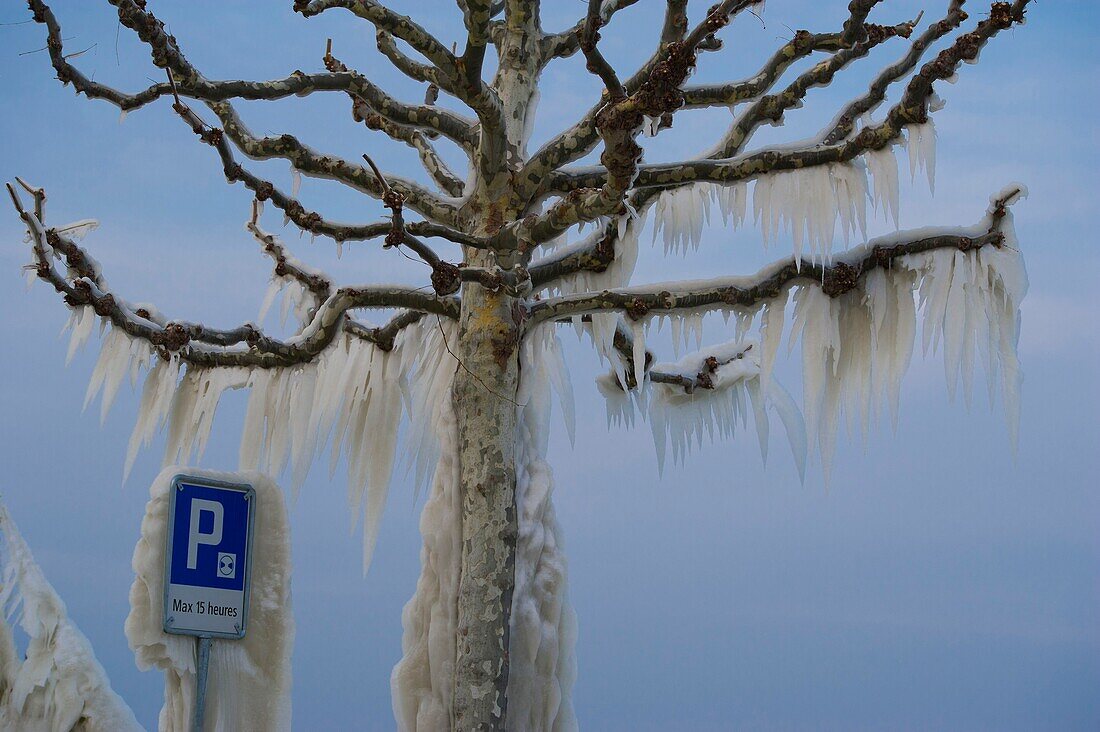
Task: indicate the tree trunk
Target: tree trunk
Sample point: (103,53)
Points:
(484,397)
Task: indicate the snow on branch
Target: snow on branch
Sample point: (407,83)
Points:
(336,378)
(55,682)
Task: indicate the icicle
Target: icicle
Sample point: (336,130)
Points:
(921,143)
(883,167)
(637,329)
(83,321)
(808,203)
(680,419)
(156,399)
(680,215)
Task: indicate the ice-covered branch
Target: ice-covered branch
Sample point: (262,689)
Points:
(87,292)
(912,109)
(846,120)
(287,267)
(582,137)
(838,278)
(856,320)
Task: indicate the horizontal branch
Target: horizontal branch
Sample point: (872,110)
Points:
(321,287)
(835,279)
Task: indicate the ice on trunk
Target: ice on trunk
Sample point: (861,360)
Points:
(250,679)
(55,683)
(543,625)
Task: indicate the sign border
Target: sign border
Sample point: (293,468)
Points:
(250,497)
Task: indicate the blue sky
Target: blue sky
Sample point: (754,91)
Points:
(937,582)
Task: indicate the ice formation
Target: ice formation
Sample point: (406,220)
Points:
(681,213)
(352,396)
(543,625)
(55,683)
(543,629)
(617,273)
(680,417)
(856,347)
(249,678)
(808,204)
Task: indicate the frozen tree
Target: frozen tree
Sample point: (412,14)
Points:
(469,363)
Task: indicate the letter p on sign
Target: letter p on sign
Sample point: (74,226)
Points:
(195,535)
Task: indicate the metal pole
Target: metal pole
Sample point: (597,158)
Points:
(203,652)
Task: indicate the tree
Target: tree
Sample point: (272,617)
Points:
(488,635)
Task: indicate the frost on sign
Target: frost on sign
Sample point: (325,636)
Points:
(207,558)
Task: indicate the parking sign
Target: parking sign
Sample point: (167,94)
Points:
(208,557)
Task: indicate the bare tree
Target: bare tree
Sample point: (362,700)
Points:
(488,637)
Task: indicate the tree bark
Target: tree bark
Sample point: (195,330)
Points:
(484,396)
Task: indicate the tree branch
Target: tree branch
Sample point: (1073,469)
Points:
(567,43)
(464,73)
(286,265)
(620,121)
(771,108)
(835,279)
(911,109)
(846,120)
(415,70)
(803,44)
(447,181)
(317,165)
(198,344)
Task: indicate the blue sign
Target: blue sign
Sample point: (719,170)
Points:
(207,559)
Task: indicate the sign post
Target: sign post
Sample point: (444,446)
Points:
(207,567)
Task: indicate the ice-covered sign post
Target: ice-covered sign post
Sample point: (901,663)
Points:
(206,566)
